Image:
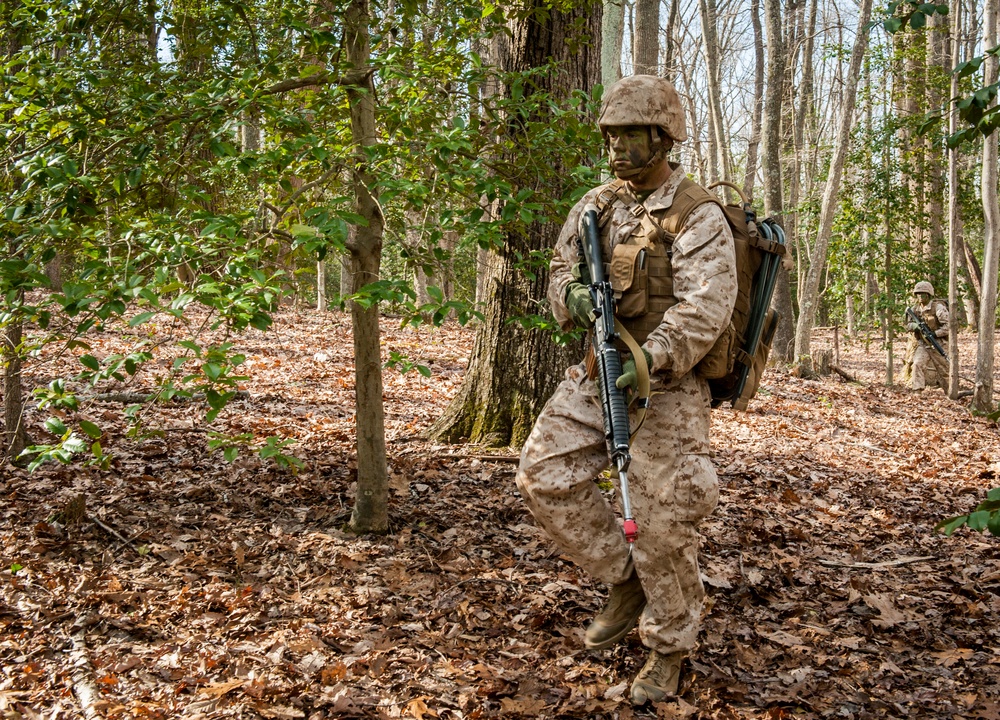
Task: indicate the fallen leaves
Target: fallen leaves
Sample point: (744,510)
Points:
(231,590)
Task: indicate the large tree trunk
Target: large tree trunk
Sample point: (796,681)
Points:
(646,49)
(512,371)
(771,165)
(809,297)
(982,398)
(371,502)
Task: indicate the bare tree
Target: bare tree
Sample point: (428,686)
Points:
(809,297)
(954,257)
(982,398)
(758,99)
(717,124)
(771,165)
(646,44)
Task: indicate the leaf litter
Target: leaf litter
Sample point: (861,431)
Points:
(176,584)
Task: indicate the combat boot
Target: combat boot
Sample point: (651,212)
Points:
(658,679)
(625,603)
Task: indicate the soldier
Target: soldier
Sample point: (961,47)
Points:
(924,364)
(678,294)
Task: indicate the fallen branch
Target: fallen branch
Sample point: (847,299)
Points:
(877,565)
(138,397)
(83,682)
(844,374)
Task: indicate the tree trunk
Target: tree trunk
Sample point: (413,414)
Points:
(371,502)
(720,143)
(512,371)
(321,286)
(612,27)
(771,165)
(982,398)
(646,43)
(817,262)
(15,436)
(758,99)
(954,258)
(670,47)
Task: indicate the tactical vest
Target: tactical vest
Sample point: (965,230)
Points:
(642,276)
(929,315)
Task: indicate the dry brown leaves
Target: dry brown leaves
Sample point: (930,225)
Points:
(189,587)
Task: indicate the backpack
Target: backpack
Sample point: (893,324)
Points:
(734,365)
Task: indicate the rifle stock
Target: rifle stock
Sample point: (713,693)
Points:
(614,404)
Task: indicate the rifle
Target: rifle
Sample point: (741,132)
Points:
(609,364)
(924,330)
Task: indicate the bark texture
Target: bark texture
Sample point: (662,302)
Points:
(513,371)
(809,297)
(982,398)
(771,165)
(370,512)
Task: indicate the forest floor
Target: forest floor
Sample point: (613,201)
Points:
(177,585)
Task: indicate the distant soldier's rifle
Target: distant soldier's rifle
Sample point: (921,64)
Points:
(925,331)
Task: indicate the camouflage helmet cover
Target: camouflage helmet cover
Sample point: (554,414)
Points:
(923,287)
(644,100)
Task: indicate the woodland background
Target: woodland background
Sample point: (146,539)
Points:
(181,181)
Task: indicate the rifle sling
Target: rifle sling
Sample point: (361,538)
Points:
(641,398)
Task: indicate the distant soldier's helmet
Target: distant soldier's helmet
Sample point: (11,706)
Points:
(644,100)
(923,287)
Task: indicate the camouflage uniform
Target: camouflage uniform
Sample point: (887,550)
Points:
(928,366)
(673,483)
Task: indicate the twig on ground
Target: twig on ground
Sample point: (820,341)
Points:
(877,565)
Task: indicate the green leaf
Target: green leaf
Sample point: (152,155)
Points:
(230,453)
(141,318)
(212,371)
(15,568)
(90,362)
(55,426)
(918,20)
(994,524)
(91,429)
(978,520)
(951,524)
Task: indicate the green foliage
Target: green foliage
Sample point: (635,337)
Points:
(986,516)
(132,167)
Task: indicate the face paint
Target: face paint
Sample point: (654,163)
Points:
(630,149)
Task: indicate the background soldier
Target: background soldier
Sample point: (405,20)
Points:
(676,300)
(924,365)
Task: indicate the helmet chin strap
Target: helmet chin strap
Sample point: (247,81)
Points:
(659,151)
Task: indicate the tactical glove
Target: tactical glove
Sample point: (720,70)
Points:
(580,305)
(912,327)
(630,376)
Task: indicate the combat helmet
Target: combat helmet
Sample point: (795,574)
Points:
(923,287)
(644,100)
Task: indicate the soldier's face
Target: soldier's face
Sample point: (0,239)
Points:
(630,147)
(923,298)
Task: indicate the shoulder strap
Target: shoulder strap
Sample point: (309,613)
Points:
(614,194)
(689,196)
